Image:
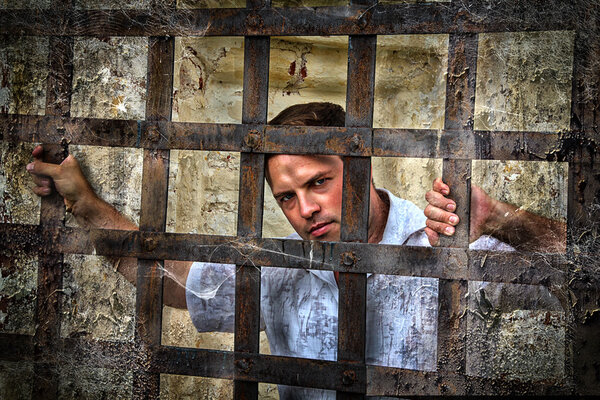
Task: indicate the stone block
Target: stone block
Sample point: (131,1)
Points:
(208,79)
(18,204)
(203,192)
(537,187)
(524,81)
(109,77)
(24,67)
(115,174)
(515,332)
(18,292)
(97,302)
(410,81)
(94,383)
(305,69)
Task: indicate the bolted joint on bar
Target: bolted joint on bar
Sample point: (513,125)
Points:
(149,243)
(244,365)
(348,259)
(254,21)
(348,377)
(253,139)
(356,144)
(153,134)
(363,19)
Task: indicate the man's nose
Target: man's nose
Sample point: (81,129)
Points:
(307,206)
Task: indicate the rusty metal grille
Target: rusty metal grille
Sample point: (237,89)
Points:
(458,143)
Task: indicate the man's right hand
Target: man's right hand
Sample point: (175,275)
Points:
(66,177)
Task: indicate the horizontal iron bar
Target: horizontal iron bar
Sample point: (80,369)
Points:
(503,16)
(437,262)
(331,375)
(16,347)
(385,381)
(421,143)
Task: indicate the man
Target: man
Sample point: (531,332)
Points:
(298,306)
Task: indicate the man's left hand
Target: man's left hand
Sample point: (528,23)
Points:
(439,212)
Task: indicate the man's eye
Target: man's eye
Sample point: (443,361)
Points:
(286,197)
(319,182)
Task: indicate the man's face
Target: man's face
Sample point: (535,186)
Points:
(309,191)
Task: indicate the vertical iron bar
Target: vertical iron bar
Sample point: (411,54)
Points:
(355,202)
(581,348)
(153,213)
(58,102)
(247,278)
(460,110)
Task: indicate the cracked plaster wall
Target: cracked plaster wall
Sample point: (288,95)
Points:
(523,79)
(23,70)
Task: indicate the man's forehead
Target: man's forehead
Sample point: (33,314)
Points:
(292,161)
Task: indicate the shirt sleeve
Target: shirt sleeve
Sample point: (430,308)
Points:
(418,238)
(210,296)
(486,242)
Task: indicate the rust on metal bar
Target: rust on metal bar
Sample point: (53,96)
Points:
(460,112)
(457,175)
(195,362)
(60,77)
(583,218)
(460,81)
(384,381)
(323,140)
(52,213)
(349,141)
(443,263)
(355,208)
(155,177)
(456,17)
(252,165)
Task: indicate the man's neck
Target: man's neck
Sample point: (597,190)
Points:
(378,215)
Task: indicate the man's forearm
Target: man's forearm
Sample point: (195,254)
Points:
(93,212)
(526,231)
(96,213)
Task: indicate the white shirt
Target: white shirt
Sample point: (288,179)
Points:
(299,308)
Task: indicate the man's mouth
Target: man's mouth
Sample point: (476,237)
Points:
(320,229)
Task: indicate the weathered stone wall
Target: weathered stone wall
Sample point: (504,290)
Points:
(523,83)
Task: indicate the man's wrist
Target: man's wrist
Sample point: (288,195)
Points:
(499,215)
(86,207)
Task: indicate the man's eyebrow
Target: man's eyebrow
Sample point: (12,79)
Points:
(279,194)
(313,178)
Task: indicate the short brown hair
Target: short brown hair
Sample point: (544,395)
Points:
(311,114)
(308,114)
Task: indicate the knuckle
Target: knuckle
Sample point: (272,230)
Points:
(429,195)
